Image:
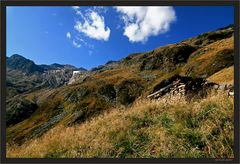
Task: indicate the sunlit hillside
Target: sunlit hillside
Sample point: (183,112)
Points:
(162,128)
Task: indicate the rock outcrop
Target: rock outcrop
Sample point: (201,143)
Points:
(77,76)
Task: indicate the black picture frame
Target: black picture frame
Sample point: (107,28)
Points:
(5,3)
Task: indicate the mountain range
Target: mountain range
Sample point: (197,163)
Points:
(40,97)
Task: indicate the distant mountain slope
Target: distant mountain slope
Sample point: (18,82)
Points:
(20,63)
(23,75)
(59,66)
(118,83)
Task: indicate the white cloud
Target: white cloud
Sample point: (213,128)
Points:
(100,9)
(77,10)
(79,39)
(75,44)
(76,7)
(68,35)
(93,26)
(143,22)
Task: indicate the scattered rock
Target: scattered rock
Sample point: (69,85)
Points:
(188,86)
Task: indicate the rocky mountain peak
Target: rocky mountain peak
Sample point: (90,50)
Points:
(18,62)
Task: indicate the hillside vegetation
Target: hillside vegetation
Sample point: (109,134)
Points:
(150,128)
(224,76)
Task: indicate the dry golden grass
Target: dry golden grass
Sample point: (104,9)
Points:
(150,128)
(116,75)
(224,76)
(204,63)
(217,46)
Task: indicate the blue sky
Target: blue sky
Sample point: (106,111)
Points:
(91,36)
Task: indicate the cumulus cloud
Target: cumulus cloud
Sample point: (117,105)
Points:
(143,22)
(93,26)
(68,35)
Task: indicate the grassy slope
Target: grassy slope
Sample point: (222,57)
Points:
(147,129)
(225,76)
(210,59)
